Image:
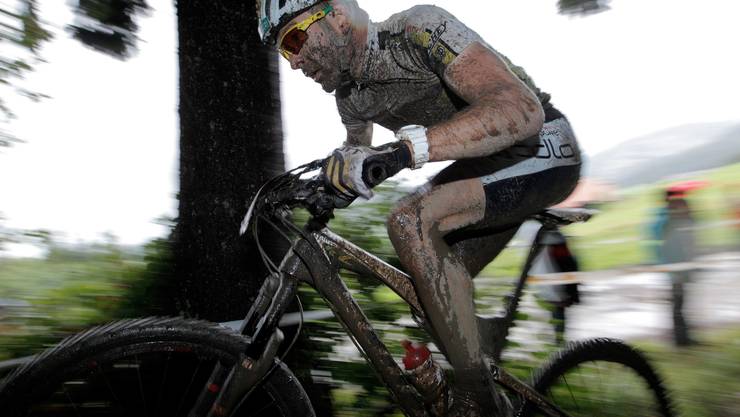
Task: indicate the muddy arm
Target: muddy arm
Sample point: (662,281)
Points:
(359,133)
(501,111)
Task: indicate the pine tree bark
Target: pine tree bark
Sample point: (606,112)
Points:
(230,143)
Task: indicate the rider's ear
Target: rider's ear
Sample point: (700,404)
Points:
(340,18)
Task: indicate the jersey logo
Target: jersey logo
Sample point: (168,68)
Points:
(436,36)
(436,48)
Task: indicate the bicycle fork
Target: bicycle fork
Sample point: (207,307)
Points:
(228,386)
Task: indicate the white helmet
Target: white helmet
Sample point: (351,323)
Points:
(272,14)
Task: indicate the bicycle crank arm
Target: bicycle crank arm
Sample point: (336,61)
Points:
(528,393)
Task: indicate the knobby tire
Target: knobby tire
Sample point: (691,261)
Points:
(622,380)
(141,367)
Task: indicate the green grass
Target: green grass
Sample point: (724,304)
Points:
(704,381)
(617,236)
(63,295)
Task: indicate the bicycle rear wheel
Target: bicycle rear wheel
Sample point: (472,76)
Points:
(145,367)
(603,377)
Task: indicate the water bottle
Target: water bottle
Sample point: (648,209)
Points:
(427,376)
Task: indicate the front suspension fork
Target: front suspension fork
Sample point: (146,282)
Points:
(227,386)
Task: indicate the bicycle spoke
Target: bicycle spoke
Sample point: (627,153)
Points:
(163,380)
(259,412)
(602,390)
(71,401)
(187,389)
(116,401)
(565,380)
(587,380)
(141,384)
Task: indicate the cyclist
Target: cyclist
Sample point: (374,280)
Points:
(449,96)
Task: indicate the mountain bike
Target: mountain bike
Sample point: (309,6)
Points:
(181,367)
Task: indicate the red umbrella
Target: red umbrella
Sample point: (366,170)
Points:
(679,189)
(685,186)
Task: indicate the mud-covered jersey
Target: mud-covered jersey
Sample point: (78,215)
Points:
(403,71)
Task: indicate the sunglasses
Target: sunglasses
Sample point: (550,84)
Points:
(293,39)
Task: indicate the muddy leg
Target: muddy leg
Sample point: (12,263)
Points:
(477,252)
(444,286)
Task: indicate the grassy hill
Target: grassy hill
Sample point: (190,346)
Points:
(617,235)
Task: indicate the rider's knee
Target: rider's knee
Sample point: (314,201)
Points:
(409,220)
(401,223)
(404,220)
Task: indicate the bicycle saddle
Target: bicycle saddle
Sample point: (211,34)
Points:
(562,217)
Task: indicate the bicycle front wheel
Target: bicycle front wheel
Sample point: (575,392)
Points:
(601,377)
(144,367)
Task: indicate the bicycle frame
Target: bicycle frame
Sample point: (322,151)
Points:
(316,260)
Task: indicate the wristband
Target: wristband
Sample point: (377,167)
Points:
(417,136)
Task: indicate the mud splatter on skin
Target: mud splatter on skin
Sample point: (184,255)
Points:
(321,56)
(318,52)
(512,128)
(499,102)
(531,105)
(444,286)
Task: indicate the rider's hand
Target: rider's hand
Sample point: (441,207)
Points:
(343,172)
(345,168)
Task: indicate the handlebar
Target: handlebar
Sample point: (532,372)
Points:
(290,190)
(377,168)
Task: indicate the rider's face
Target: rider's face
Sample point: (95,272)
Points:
(318,58)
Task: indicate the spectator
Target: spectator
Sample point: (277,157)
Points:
(674,229)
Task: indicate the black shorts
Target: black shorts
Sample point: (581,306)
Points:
(522,180)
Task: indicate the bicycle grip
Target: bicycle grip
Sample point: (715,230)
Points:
(375,172)
(387,163)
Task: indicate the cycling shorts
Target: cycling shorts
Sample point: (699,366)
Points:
(524,179)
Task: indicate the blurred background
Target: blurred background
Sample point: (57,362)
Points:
(133,134)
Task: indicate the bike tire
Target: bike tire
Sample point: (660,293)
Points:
(579,379)
(141,367)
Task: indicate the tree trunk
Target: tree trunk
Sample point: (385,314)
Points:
(230,143)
